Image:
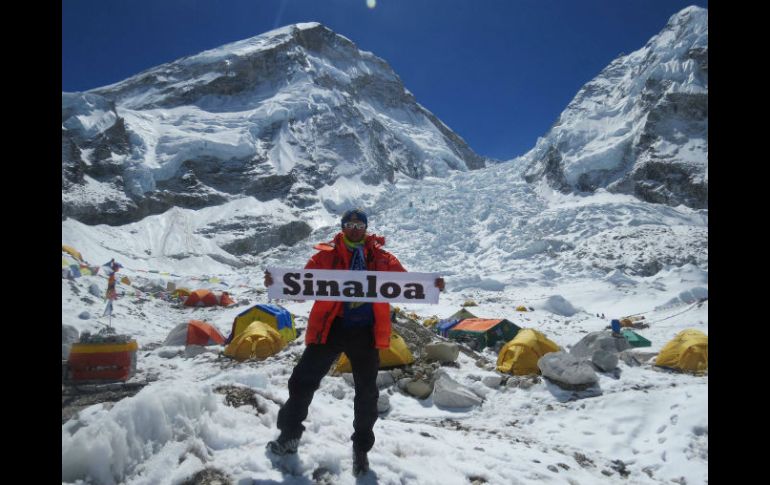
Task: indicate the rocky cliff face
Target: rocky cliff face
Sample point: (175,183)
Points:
(641,126)
(278,116)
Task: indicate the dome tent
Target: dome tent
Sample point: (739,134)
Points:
(688,352)
(274,315)
(483,332)
(257,341)
(520,355)
(199,298)
(194,332)
(395,355)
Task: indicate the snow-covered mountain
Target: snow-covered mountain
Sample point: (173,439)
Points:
(281,116)
(196,180)
(641,126)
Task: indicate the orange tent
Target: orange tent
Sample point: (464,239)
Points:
(225,300)
(208,298)
(194,332)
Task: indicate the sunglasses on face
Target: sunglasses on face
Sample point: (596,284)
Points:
(354,225)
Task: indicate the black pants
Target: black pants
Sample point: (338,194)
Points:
(358,345)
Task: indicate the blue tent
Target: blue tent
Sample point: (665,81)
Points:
(444,326)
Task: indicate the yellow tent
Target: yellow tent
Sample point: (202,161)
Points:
(74,252)
(397,354)
(521,308)
(258,341)
(430,322)
(688,351)
(274,315)
(519,356)
(181,292)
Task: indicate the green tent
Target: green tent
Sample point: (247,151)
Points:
(483,332)
(635,339)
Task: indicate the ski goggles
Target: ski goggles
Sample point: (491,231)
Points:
(354,225)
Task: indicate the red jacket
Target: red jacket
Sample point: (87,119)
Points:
(334,255)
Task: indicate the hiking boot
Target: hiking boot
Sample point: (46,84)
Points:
(360,463)
(284,446)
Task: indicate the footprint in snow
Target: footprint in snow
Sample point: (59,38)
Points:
(674,419)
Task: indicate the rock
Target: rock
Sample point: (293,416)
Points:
(526,384)
(396,373)
(419,388)
(84,315)
(633,358)
(209,476)
(383,403)
(492,381)
(566,369)
(451,394)
(605,361)
(602,340)
(94,290)
(384,379)
(583,460)
(480,389)
(442,351)
(169,352)
(401,383)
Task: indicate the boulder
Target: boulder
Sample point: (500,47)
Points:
(492,381)
(449,393)
(419,388)
(605,361)
(442,351)
(384,379)
(602,340)
(383,403)
(567,371)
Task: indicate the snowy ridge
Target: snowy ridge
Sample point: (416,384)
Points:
(645,108)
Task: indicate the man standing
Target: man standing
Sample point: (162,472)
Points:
(358,329)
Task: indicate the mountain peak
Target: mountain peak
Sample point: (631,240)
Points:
(641,126)
(281,116)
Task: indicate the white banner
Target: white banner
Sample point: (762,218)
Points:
(346,285)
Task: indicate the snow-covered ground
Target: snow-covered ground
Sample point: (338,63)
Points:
(497,241)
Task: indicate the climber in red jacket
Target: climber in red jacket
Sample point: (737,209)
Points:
(358,329)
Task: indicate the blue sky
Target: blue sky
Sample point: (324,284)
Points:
(497,72)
